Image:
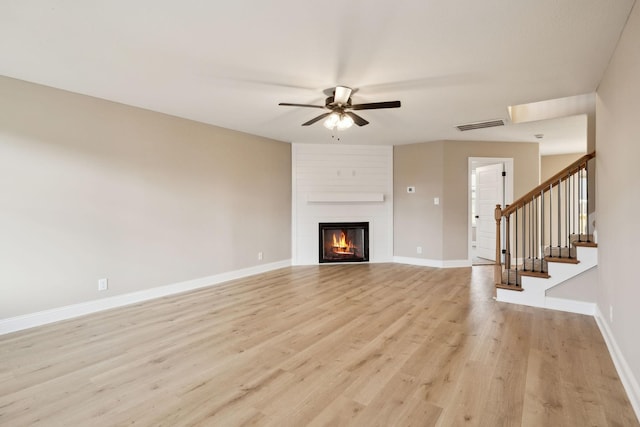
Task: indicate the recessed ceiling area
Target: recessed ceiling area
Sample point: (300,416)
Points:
(559,136)
(229,64)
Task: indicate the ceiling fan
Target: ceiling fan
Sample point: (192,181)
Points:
(339,106)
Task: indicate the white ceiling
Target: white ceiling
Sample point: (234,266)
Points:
(229,63)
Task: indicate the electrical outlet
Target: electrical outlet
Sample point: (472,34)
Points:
(103,284)
(610,313)
(259,256)
(419,250)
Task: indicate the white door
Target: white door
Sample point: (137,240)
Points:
(489,193)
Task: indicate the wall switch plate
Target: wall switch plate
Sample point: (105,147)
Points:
(411,189)
(419,250)
(103,284)
(436,201)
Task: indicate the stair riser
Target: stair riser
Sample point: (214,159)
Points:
(558,272)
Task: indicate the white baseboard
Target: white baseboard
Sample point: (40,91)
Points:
(536,298)
(454,263)
(571,306)
(629,382)
(18,323)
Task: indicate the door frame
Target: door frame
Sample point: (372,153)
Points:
(474,162)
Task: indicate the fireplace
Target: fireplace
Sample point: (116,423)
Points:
(343,241)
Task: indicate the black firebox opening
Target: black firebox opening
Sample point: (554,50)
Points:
(344,241)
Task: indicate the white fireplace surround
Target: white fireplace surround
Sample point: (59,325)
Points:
(341,183)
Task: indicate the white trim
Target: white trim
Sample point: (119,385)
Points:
(454,263)
(571,306)
(388,255)
(629,382)
(18,323)
(507,163)
(294,204)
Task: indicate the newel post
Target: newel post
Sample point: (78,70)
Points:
(497,269)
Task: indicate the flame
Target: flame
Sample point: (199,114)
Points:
(342,245)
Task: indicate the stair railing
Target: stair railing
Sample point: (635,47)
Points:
(544,225)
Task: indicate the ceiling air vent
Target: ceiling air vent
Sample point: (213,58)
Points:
(481,125)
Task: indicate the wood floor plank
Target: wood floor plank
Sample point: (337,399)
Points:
(361,345)
(506,390)
(390,401)
(340,412)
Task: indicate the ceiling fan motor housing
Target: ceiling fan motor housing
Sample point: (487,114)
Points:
(330,103)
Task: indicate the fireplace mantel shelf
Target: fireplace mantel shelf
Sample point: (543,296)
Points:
(344,197)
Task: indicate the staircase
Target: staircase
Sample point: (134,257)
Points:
(545,238)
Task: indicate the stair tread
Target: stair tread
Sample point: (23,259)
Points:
(562,260)
(586,244)
(581,238)
(541,274)
(509,287)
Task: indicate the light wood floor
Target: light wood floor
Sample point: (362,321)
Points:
(362,345)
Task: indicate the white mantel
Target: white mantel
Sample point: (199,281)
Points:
(341,183)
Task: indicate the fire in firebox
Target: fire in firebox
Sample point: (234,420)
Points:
(342,245)
(344,242)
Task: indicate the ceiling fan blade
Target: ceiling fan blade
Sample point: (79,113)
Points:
(342,94)
(288,104)
(316,119)
(356,118)
(376,105)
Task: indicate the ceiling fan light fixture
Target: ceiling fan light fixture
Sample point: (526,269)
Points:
(345,122)
(332,121)
(341,121)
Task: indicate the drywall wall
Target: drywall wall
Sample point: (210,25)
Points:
(440,169)
(583,287)
(618,197)
(550,165)
(93,189)
(456,184)
(417,220)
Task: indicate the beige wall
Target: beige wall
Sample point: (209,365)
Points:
(583,287)
(442,167)
(550,165)
(618,197)
(456,184)
(417,221)
(92,189)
